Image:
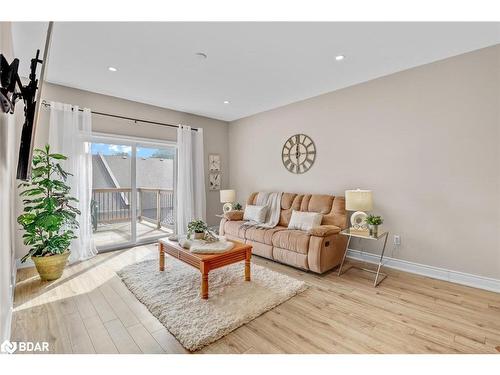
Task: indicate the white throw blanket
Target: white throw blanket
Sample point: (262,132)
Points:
(211,247)
(204,247)
(273,203)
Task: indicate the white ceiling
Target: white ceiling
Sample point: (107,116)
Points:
(256,66)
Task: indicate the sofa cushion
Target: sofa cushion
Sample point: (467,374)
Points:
(338,215)
(252,198)
(292,240)
(235,228)
(332,208)
(317,203)
(289,202)
(304,220)
(262,235)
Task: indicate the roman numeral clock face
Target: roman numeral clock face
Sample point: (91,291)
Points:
(298,154)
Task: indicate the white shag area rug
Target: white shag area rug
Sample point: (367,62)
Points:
(173,297)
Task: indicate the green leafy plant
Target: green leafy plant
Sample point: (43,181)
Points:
(374,220)
(196,226)
(49,219)
(237,206)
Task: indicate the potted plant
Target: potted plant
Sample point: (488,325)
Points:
(237,206)
(373,223)
(198,227)
(49,218)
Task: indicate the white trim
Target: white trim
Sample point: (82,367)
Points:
(106,137)
(463,278)
(12,287)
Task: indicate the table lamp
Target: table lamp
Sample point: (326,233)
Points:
(228,197)
(360,201)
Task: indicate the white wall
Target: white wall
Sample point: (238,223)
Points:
(425,140)
(9,133)
(215,131)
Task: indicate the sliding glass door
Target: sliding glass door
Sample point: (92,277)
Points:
(133,192)
(155,168)
(111,204)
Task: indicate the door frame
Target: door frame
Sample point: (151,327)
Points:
(135,142)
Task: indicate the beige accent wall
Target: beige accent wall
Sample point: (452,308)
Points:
(425,140)
(215,131)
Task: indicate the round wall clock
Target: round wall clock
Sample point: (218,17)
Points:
(298,154)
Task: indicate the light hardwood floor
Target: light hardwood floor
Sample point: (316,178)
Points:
(90,310)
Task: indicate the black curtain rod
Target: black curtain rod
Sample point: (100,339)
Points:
(136,120)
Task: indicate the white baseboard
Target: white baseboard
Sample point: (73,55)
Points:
(463,278)
(27,264)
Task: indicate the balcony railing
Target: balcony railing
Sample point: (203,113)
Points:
(113,205)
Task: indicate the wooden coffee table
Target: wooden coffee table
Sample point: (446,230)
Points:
(206,262)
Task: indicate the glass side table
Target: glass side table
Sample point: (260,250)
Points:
(384,235)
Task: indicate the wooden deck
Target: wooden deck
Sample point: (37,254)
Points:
(90,310)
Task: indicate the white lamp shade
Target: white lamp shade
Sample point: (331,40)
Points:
(227,196)
(358,200)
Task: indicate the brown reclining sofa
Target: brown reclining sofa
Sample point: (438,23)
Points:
(319,249)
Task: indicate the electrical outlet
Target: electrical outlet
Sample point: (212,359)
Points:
(397,239)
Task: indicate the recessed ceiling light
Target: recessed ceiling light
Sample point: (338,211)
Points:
(112,69)
(201,55)
(339,57)
(226,101)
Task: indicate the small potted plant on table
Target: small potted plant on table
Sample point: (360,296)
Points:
(49,218)
(373,223)
(198,227)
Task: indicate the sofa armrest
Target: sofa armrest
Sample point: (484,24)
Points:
(233,215)
(324,230)
(326,252)
(222,224)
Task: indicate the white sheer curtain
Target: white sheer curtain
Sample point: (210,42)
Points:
(69,134)
(190,177)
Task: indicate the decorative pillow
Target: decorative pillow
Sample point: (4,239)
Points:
(255,213)
(304,220)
